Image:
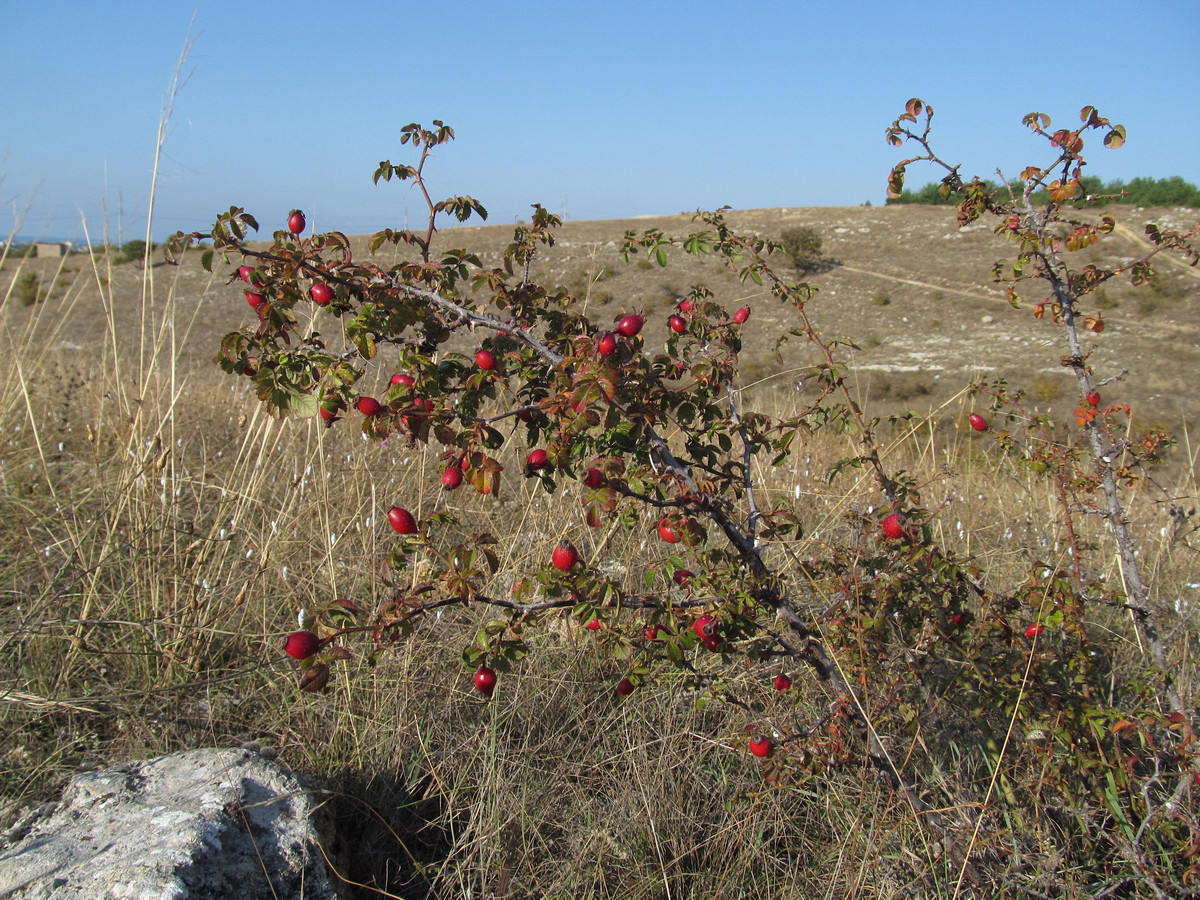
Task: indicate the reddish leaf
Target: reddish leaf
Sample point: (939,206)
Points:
(1115,138)
(1037,121)
(315,678)
(913,107)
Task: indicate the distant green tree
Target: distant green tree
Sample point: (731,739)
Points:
(131,250)
(1173,191)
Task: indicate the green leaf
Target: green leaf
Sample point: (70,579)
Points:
(304,405)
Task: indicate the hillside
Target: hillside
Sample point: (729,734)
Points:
(904,284)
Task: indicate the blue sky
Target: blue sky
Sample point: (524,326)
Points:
(601,109)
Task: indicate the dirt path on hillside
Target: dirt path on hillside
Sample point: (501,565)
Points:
(1144,244)
(974,295)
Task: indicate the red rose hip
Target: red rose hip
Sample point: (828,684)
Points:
(368,406)
(564,556)
(485,680)
(402,520)
(761,747)
(301,644)
(631,325)
(978,422)
(893,526)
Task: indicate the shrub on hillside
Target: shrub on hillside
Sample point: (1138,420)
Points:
(132,250)
(802,244)
(28,292)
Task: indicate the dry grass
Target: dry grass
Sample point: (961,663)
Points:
(160,534)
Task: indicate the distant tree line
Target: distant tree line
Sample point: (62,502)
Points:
(1173,191)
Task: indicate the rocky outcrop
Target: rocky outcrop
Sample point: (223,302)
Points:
(199,824)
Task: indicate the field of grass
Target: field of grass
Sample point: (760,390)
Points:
(160,534)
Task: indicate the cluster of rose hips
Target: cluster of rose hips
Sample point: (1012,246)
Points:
(321,294)
(894,524)
(304,644)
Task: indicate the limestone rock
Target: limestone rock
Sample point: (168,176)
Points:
(199,824)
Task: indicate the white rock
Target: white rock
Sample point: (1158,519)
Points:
(199,824)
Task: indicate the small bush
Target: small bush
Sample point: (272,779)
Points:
(1044,389)
(27,289)
(881,299)
(1166,290)
(802,244)
(133,250)
(1104,301)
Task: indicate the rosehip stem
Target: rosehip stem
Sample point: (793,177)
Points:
(747,481)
